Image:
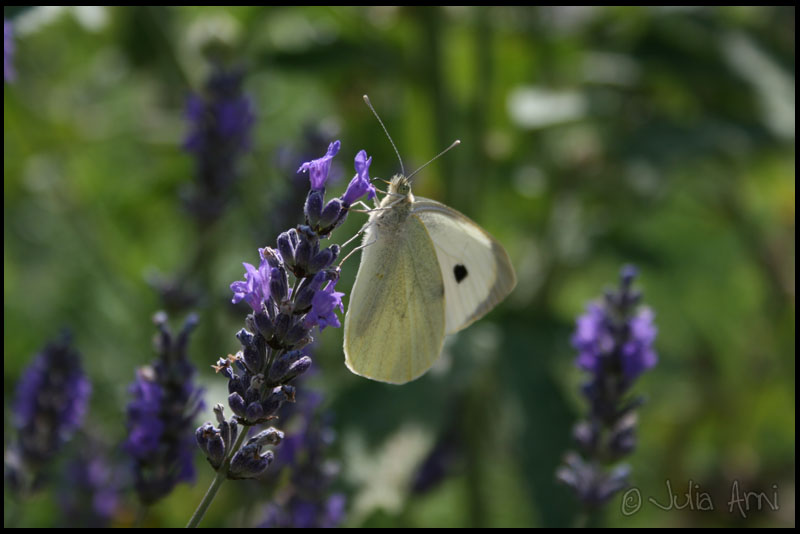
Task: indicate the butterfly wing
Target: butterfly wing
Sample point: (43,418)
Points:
(394,326)
(475,268)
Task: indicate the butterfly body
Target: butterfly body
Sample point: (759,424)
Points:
(426,271)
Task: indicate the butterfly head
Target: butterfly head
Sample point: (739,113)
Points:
(400,185)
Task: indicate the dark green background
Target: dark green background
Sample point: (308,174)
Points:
(592,137)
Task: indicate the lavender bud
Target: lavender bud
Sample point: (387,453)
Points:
(270,436)
(628,274)
(297,368)
(271,256)
(623,435)
(234,432)
(237,404)
(216,451)
(615,481)
(324,259)
(307,290)
(282,324)
(279,284)
(289,391)
(274,400)
(286,248)
(303,255)
(297,332)
(223,366)
(330,213)
(254,411)
(264,325)
(203,433)
(294,238)
(585,434)
(235,385)
(281,366)
(254,358)
(313,207)
(248,463)
(250,396)
(244,337)
(303,342)
(224,426)
(219,413)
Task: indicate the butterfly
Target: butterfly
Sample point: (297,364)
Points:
(426,271)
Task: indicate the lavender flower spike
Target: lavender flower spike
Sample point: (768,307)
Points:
(161,414)
(297,294)
(220,125)
(49,406)
(614,340)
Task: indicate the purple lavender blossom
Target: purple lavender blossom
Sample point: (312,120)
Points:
(255,288)
(221,121)
(161,414)
(319,168)
(8,51)
(614,340)
(90,491)
(323,307)
(360,185)
(261,375)
(306,501)
(50,404)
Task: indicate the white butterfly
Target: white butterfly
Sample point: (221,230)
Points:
(426,271)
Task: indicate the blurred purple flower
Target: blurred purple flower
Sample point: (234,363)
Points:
(220,128)
(306,501)
(89,495)
(160,416)
(50,404)
(614,340)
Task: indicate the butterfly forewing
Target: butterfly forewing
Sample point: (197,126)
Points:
(395,323)
(476,271)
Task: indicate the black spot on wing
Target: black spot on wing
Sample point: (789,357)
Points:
(460,272)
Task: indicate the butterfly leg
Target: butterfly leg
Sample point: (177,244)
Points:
(365,245)
(366,209)
(360,231)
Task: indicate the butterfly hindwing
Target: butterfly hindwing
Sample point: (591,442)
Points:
(476,270)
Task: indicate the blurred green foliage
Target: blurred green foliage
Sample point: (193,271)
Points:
(592,137)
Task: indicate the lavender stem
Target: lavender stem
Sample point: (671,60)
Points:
(222,474)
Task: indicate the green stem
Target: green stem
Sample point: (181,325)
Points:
(222,474)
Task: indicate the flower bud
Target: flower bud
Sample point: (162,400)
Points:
(270,436)
(286,248)
(237,404)
(313,206)
(249,463)
(330,213)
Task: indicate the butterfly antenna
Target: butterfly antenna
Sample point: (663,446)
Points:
(402,169)
(440,154)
